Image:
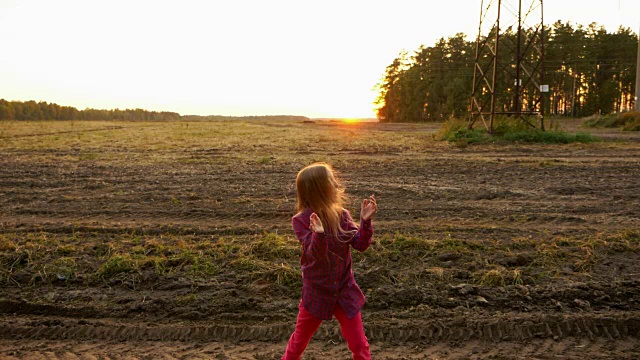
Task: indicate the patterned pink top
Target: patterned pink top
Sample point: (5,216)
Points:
(327,277)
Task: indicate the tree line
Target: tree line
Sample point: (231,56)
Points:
(588,70)
(31,110)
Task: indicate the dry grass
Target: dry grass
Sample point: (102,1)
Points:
(126,259)
(214,142)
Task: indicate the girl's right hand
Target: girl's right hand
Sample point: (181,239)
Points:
(316,224)
(369,208)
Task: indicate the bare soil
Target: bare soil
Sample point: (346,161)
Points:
(148,240)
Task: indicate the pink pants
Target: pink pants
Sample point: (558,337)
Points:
(307,324)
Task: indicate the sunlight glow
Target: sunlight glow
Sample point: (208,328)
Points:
(245,57)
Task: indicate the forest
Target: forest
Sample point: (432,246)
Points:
(589,71)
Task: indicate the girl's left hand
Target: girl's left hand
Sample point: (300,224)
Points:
(369,208)
(315,224)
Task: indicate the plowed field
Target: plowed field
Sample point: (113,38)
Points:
(173,240)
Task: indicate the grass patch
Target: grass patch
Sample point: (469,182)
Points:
(7,245)
(603,121)
(285,275)
(187,299)
(498,276)
(507,130)
(117,265)
(272,246)
(265,160)
(628,121)
(548,137)
(272,260)
(86,156)
(63,268)
(457,131)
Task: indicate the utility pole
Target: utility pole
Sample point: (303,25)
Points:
(637,106)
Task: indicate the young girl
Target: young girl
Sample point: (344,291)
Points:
(326,231)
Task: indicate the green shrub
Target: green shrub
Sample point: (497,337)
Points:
(450,127)
(631,121)
(603,121)
(504,125)
(628,121)
(457,131)
(508,129)
(548,137)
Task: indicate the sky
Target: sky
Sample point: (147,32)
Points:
(235,57)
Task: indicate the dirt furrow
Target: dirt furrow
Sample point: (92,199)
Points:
(506,327)
(536,349)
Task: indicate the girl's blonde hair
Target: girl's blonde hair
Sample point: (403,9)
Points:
(319,190)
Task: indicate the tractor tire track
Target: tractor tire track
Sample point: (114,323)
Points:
(510,327)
